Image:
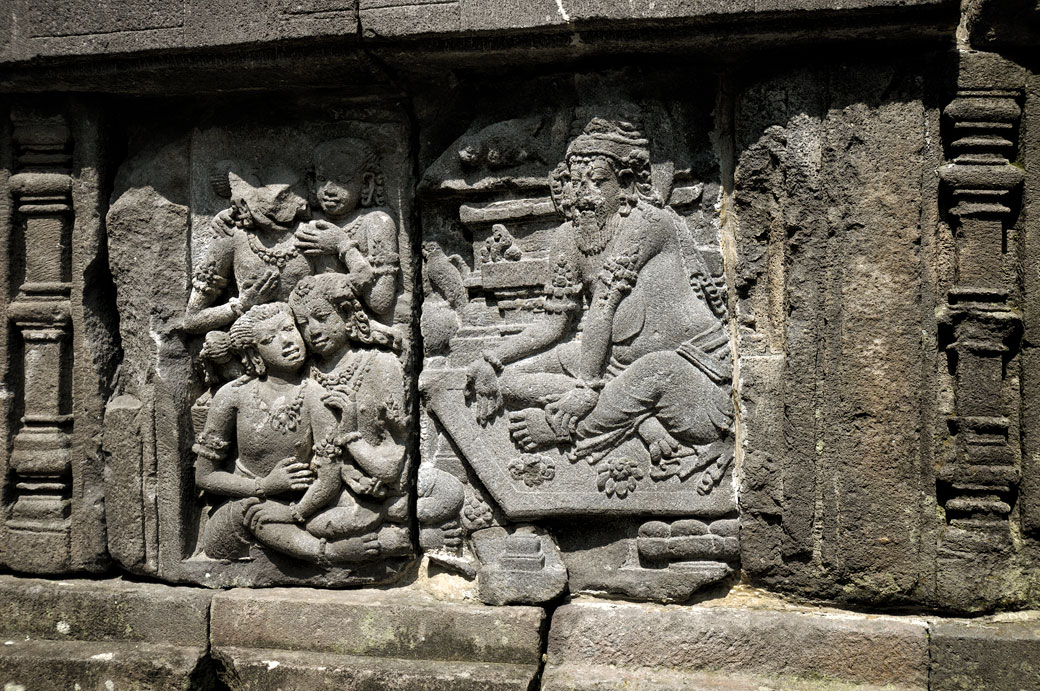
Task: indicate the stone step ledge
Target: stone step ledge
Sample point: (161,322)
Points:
(27,665)
(247,669)
(395,623)
(762,643)
(103,610)
(101,634)
(582,677)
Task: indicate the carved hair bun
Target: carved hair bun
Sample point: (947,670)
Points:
(219,179)
(220,176)
(217,347)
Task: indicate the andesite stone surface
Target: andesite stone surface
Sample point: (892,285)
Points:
(372,639)
(58,634)
(559,344)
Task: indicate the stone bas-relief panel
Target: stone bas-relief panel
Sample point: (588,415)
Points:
(277,379)
(578,417)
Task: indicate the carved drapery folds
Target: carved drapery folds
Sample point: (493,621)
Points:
(978,481)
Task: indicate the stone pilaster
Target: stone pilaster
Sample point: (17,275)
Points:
(38,525)
(53,511)
(978,482)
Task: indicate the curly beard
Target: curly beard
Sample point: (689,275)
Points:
(591,218)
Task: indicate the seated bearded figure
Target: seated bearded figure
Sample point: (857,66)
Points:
(364,493)
(649,361)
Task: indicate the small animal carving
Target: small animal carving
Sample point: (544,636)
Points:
(500,246)
(502,145)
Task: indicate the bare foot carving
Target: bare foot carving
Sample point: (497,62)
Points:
(530,430)
(360,548)
(394,541)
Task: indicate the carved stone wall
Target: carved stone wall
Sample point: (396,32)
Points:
(835,220)
(565,339)
(500,316)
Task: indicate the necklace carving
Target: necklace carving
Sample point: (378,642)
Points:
(350,376)
(274,256)
(286,417)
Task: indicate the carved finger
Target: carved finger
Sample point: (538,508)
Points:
(260,520)
(372,545)
(251,513)
(524,442)
(251,520)
(704,484)
(489,410)
(556,420)
(268,280)
(337,392)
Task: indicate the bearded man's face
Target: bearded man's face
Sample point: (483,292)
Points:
(596,191)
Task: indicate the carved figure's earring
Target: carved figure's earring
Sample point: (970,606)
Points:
(256,362)
(628,199)
(368,186)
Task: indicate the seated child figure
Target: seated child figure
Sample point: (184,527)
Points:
(357,230)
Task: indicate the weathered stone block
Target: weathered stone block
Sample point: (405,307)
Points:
(378,623)
(115,610)
(997,654)
(392,638)
(833,172)
(100,666)
(101,635)
(268,670)
(792,644)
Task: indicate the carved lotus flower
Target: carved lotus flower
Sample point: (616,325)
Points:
(532,469)
(619,477)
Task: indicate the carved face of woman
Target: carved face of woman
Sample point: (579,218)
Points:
(279,343)
(339,188)
(323,328)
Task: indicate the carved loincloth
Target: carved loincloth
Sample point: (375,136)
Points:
(685,389)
